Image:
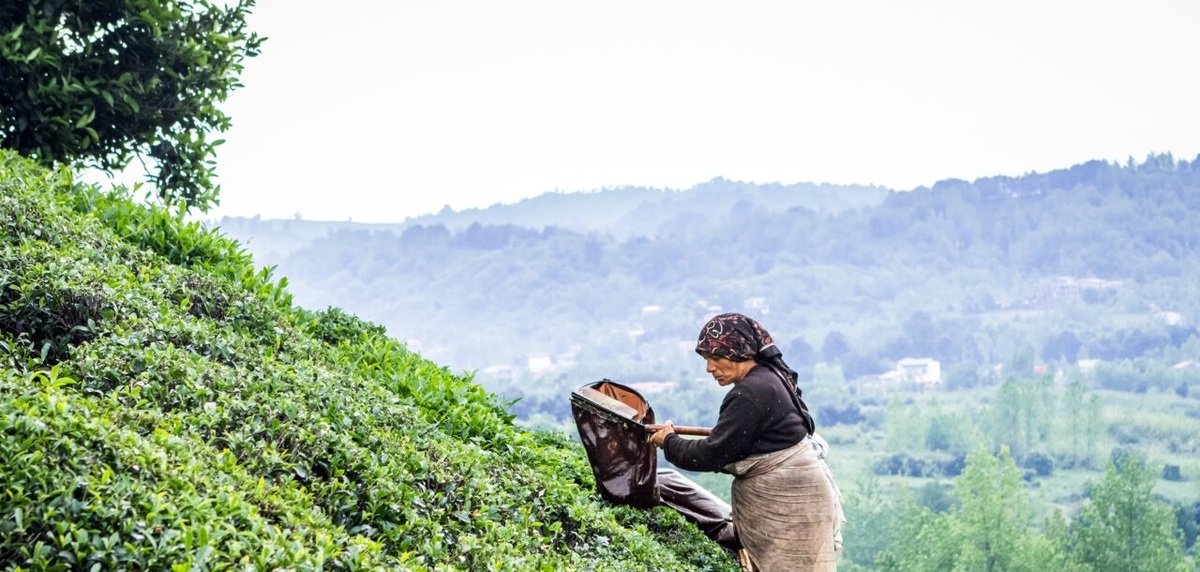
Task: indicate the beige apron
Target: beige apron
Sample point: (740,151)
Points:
(787,509)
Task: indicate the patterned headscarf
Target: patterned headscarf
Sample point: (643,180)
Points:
(738,338)
(733,336)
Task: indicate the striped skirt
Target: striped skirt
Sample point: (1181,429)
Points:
(787,509)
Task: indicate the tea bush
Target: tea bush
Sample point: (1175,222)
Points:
(163,405)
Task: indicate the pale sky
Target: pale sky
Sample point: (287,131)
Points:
(377,110)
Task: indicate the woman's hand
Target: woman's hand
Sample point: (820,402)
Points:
(660,436)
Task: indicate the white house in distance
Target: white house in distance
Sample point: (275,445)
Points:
(924,372)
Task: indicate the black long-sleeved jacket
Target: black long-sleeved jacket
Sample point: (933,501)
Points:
(756,416)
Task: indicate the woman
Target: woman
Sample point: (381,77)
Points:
(786,509)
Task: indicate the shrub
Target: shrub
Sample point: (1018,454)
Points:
(1040,463)
(933,465)
(164,406)
(850,414)
(1171,472)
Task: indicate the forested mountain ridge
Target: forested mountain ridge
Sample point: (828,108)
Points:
(165,405)
(926,272)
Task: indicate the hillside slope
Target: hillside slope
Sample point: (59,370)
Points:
(164,405)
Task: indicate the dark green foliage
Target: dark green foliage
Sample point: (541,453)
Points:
(1063,347)
(1188,518)
(1040,463)
(1171,472)
(936,496)
(930,465)
(333,325)
(165,232)
(849,414)
(49,317)
(104,81)
(201,421)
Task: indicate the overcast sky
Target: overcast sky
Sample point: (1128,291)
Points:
(378,110)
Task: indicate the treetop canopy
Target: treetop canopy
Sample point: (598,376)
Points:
(101,82)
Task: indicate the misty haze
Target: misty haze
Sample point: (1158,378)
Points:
(1054,314)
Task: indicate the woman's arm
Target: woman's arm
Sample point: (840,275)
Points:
(736,429)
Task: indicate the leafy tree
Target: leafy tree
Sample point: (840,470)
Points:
(1084,420)
(1188,520)
(995,515)
(945,431)
(1021,415)
(963,375)
(834,347)
(875,515)
(800,353)
(101,82)
(1040,463)
(1007,417)
(1094,425)
(989,530)
(1076,407)
(904,427)
(1124,527)
(1041,399)
(1064,346)
(856,364)
(921,334)
(1022,361)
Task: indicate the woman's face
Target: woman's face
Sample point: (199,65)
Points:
(725,370)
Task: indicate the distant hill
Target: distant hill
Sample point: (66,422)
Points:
(632,211)
(966,272)
(619,212)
